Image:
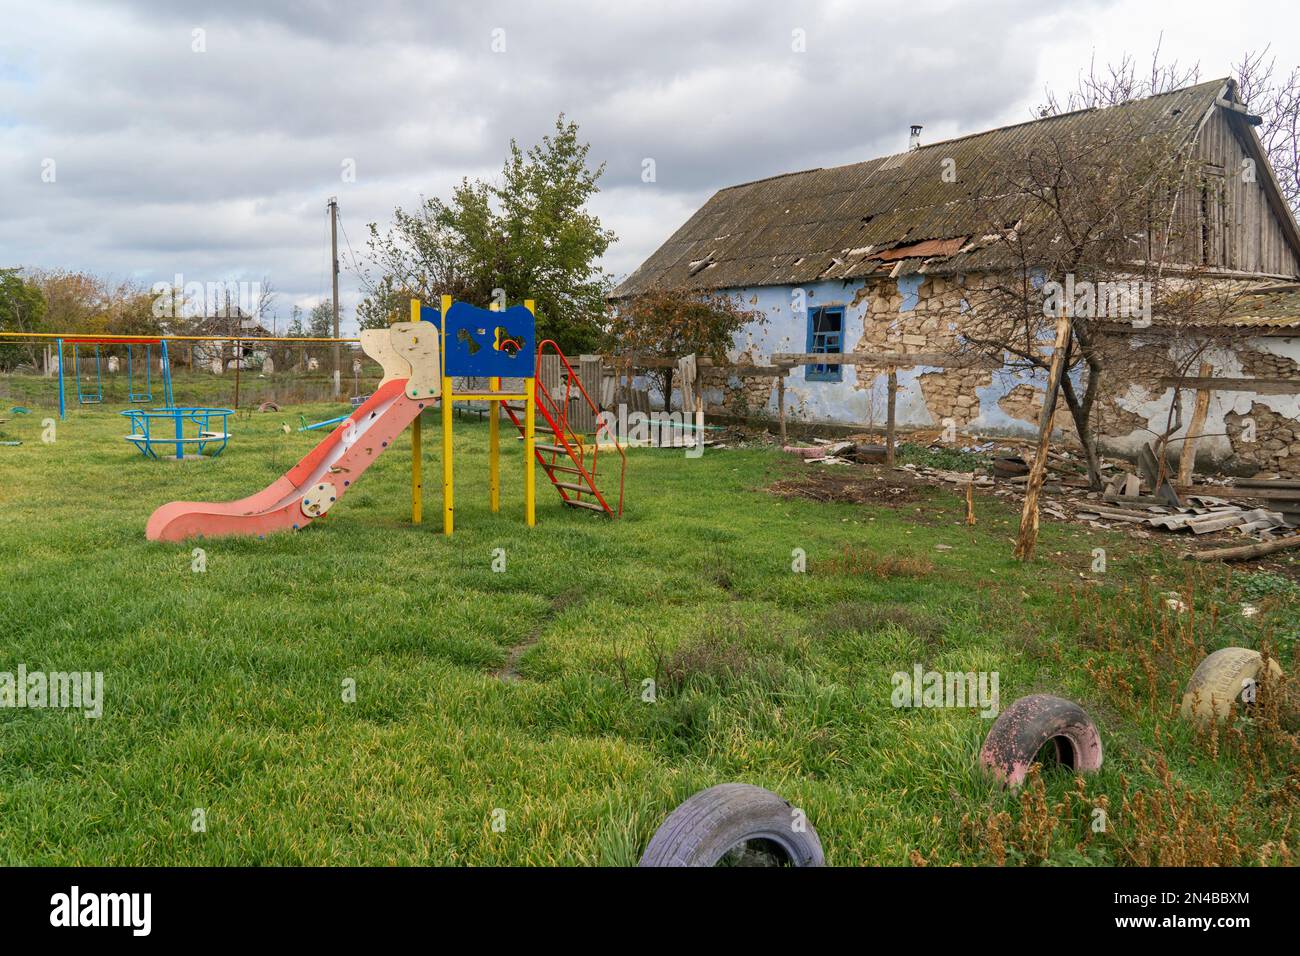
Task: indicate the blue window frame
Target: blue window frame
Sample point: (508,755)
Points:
(825,334)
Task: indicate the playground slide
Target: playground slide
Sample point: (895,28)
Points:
(409,355)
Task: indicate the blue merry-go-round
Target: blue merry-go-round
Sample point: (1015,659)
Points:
(196,431)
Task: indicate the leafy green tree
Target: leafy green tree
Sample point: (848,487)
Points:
(129,310)
(529,235)
(670,323)
(296,329)
(22,309)
(320,323)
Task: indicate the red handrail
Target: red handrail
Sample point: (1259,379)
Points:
(110,340)
(560,423)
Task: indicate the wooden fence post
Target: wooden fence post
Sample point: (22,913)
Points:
(890,416)
(780,404)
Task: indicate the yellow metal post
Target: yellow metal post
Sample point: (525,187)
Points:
(494,448)
(417,477)
(417,466)
(530,458)
(494,443)
(448,485)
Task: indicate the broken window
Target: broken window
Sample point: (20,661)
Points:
(825,335)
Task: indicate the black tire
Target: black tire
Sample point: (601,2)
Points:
(1009,467)
(716,826)
(1028,725)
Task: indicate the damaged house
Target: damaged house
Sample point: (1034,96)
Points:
(223,356)
(879,257)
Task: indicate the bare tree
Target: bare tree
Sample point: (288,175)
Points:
(1116,83)
(1271,92)
(1078,222)
(1100,214)
(265,299)
(1195,330)
(1274,96)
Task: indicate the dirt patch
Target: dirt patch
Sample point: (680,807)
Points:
(853,485)
(509,671)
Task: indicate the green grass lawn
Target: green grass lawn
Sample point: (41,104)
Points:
(521,691)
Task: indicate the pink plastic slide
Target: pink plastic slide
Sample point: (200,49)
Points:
(307,490)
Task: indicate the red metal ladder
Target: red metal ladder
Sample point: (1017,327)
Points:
(568,459)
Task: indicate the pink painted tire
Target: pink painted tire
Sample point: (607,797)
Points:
(1024,728)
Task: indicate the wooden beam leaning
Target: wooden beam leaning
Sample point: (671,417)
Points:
(1027,540)
(783,362)
(1187,457)
(627,361)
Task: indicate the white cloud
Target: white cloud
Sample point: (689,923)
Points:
(218,164)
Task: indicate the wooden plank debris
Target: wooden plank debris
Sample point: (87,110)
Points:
(1260,386)
(1245,552)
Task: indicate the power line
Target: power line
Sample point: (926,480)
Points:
(356,269)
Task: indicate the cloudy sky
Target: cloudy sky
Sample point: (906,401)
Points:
(204,137)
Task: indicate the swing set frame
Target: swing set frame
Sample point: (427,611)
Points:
(84,397)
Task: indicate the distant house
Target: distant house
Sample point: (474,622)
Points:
(878,254)
(236,322)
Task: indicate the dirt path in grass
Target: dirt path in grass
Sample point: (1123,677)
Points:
(509,671)
(853,484)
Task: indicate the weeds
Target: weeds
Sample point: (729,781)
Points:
(1143,645)
(857,562)
(945,459)
(1029,837)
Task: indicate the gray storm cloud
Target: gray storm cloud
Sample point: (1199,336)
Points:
(217,164)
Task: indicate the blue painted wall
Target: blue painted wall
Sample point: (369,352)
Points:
(863,401)
(861,396)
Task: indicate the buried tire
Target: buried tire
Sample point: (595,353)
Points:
(1022,731)
(734,824)
(1220,681)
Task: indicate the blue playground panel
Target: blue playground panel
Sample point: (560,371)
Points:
(489,344)
(179,428)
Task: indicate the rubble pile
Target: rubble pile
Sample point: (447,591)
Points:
(1140,497)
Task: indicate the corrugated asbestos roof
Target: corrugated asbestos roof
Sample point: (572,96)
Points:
(1269,308)
(853,221)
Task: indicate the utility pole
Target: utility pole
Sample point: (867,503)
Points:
(334,258)
(239,352)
